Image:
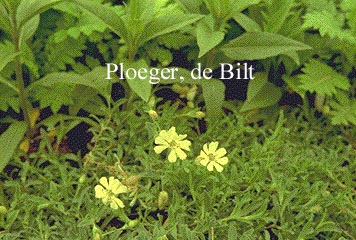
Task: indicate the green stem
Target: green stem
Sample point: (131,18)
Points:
(20,80)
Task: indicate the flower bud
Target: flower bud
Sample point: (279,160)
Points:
(3,210)
(82,179)
(153,114)
(163,199)
(190,104)
(132,180)
(200,115)
(132,223)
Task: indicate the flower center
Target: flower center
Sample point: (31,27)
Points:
(211,157)
(173,144)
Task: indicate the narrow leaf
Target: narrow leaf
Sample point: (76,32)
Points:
(9,140)
(247,23)
(166,24)
(261,45)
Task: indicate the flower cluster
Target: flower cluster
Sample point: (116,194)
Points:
(211,157)
(108,191)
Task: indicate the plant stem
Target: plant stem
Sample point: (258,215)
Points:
(19,77)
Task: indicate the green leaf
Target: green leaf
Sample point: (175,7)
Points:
(191,6)
(328,25)
(261,45)
(107,15)
(8,98)
(9,141)
(207,36)
(94,79)
(30,8)
(54,97)
(214,96)
(7,54)
(142,87)
(247,23)
(29,29)
(165,24)
(343,110)
(322,79)
(261,94)
(276,14)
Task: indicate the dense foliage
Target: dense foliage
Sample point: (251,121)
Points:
(288,134)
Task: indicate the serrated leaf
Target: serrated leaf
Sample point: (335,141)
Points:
(261,94)
(261,45)
(343,113)
(328,25)
(54,97)
(107,15)
(207,36)
(322,79)
(9,141)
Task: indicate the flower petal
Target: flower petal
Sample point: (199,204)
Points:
(184,145)
(222,161)
(99,191)
(218,167)
(213,146)
(172,157)
(159,149)
(182,155)
(160,140)
(204,161)
(104,182)
(205,149)
(119,202)
(210,166)
(220,152)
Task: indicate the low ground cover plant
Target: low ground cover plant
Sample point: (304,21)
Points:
(262,147)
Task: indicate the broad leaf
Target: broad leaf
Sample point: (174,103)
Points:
(94,79)
(261,45)
(261,94)
(30,8)
(207,36)
(322,79)
(142,87)
(105,14)
(9,141)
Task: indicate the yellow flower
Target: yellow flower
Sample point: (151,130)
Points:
(171,140)
(108,191)
(211,157)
